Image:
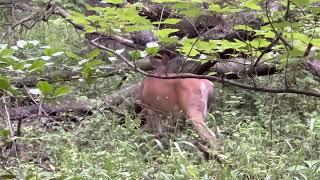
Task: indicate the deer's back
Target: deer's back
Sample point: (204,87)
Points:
(175,95)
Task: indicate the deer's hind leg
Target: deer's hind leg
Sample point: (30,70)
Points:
(153,122)
(194,104)
(205,133)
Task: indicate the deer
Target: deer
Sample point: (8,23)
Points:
(190,97)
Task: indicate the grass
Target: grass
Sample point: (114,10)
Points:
(267,141)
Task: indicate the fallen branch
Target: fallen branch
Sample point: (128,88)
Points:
(72,105)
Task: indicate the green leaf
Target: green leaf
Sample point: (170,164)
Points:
(78,18)
(258,43)
(192,12)
(72,56)
(8,176)
(215,8)
(168,21)
(163,34)
(315,10)
(218,9)
(93,63)
(297,36)
(135,54)
(252,4)
(152,50)
(48,51)
(61,91)
(4,83)
(4,133)
(93,54)
(316,42)
(113,1)
(301,2)
(45,87)
(37,65)
(189,50)
(6,52)
(243,27)
(86,72)
(137,27)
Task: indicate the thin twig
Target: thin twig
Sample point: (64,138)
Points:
(9,125)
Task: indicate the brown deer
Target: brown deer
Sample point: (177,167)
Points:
(190,96)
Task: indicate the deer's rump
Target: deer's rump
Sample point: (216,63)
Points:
(176,95)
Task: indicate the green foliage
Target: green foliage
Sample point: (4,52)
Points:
(260,139)
(252,4)
(4,83)
(264,136)
(49,91)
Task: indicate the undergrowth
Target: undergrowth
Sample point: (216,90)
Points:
(263,136)
(268,136)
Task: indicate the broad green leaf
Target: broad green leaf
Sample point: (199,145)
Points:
(78,18)
(37,65)
(72,56)
(7,52)
(192,12)
(252,4)
(189,50)
(113,1)
(86,72)
(136,28)
(316,42)
(45,87)
(165,32)
(152,48)
(135,55)
(48,51)
(243,27)
(163,35)
(93,63)
(315,10)
(61,91)
(4,83)
(297,36)
(164,1)
(168,21)
(4,133)
(18,65)
(218,9)
(93,54)
(300,2)
(8,176)
(215,8)
(258,43)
